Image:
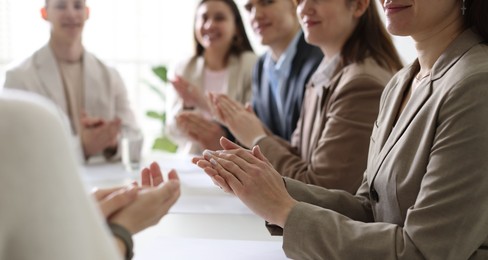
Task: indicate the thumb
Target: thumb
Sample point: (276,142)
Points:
(249,107)
(228,144)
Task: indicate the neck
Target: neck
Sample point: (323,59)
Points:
(215,60)
(67,51)
(431,46)
(280,47)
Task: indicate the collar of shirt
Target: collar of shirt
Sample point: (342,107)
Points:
(324,73)
(279,70)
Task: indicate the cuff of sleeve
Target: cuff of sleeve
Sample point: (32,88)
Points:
(126,237)
(257,139)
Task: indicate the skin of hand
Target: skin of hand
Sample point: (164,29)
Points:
(98,134)
(154,199)
(252,178)
(191,95)
(240,120)
(112,199)
(200,129)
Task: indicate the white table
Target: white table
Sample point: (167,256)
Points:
(205,223)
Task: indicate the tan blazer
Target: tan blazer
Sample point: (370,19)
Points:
(330,144)
(239,88)
(425,190)
(105,95)
(104,92)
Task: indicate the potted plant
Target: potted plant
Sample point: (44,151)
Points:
(162,142)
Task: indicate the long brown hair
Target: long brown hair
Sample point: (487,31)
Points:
(370,39)
(476,16)
(240,43)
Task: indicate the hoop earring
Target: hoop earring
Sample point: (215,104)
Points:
(463,8)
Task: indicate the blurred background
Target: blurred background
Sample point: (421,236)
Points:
(131,35)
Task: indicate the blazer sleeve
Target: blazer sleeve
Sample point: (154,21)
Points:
(339,159)
(449,219)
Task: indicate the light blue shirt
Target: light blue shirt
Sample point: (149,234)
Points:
(277,72)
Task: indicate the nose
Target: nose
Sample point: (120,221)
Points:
(304,8)
(208,24)
(256,13)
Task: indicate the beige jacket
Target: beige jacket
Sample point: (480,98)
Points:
(425,190)
(239,88)
(330,144)
(105,93)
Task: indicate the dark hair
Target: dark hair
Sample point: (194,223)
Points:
(370,39)
(240,43)
(476,17)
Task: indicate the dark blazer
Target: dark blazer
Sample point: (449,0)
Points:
(306,60)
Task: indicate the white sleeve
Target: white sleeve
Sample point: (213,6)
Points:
(45,211)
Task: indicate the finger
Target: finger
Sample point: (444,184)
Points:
(249,108)
(228,144)
(203,164)
(146,177)
(156,175)
(102,193)
(237,162)
(219,181)
(173,175)
(229,177)
(117,200)
(195,159)
(210,171)
(256,151)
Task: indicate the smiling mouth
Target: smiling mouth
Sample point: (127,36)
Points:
(391,9)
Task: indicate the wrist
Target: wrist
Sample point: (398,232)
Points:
(123,238)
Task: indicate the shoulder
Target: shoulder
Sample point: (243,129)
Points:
(244,62)
(368,71)
(248,57)
(187,63)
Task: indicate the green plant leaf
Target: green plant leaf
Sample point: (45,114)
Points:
(155,115)
(156,90)
(164,144)
(161,72)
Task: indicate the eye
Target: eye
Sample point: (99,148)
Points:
(267,2)
(248,7)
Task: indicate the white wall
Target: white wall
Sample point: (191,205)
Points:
(132,35)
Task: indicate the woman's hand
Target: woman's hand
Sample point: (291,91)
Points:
(251,177)
(241,121)
(192,96)
(201,130)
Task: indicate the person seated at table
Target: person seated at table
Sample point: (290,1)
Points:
(330,144)
(222,63)
(86,89)
(46,211)
(281,73)
(425,187)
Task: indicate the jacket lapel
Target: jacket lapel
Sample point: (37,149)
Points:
(323,90)
(390,134)
(48,72)
(233,73)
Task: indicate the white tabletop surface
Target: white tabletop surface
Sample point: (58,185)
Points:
(205,223)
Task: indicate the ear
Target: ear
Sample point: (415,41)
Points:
(87,10)
(361,7)
(44,13)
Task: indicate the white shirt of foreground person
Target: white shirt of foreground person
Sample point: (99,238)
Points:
(46,212)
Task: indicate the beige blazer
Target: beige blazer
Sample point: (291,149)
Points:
(425,190)
(330,144)
(239,88)
(105,94)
